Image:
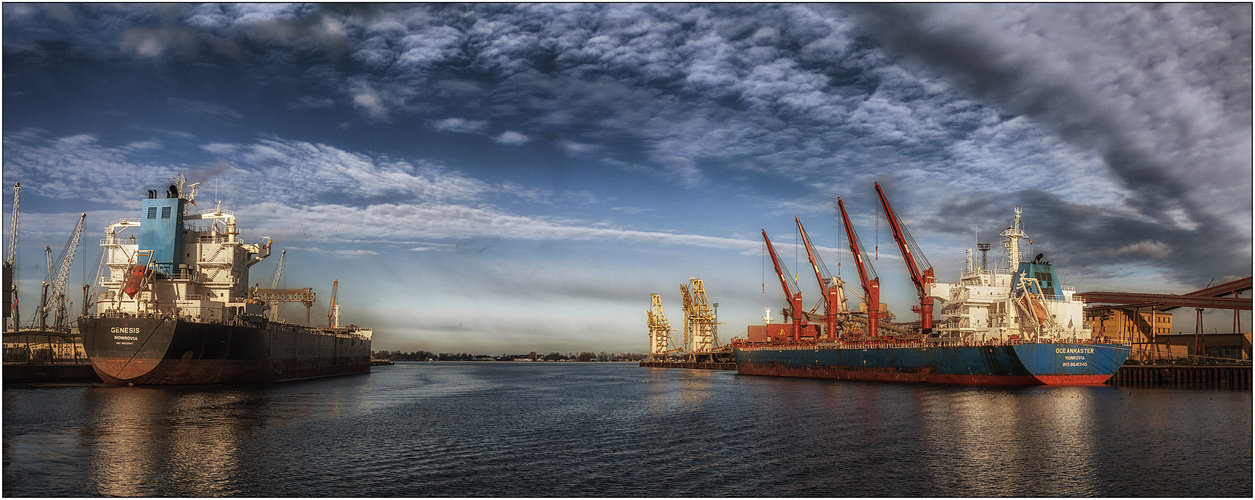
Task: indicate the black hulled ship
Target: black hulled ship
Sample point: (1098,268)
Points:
(176,307)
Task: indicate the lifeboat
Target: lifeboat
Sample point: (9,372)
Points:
(133,280)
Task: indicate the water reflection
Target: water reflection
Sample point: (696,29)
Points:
(1004,438)
(149,440)
(198,441)
(502,430)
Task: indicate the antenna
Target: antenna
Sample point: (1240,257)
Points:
(984,254)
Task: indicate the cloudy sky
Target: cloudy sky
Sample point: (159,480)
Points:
(502,178)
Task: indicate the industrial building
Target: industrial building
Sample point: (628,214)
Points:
(1144,320)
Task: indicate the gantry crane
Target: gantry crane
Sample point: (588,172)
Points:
(871,282)
(701,319)
(791,291)
(915,262)
(10,266)
(659,330)
(276,296)
(686,304)
(833,288)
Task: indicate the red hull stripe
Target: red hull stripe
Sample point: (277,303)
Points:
(891,376)
(1074,379)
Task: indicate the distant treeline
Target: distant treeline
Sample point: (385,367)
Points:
(531,356)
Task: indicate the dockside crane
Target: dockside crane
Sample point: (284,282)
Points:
(60,319)
(915,262)
(871,282)
(834,293)
(659,330)
(54,286)
(274,285)
(791,291)
(10,266)
(702,318)
(333,313)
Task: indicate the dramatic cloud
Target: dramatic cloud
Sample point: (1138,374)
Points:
(566,131)
(1161,96)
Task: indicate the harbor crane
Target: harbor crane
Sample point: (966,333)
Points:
(279,269)
(834,293)
(274,285)
(686,303)
(701,320)
(275,295)
(10,267)
(659,330)
(57,277)
(915,262)
(333,312)
(866,274)
(791,291)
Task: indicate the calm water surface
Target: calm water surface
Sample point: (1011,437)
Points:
(601,429)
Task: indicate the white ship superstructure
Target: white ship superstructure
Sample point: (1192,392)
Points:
(1001,305)
(201,260)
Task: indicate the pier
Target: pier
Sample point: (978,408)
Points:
(46,356)
(696,365)
(1226,376)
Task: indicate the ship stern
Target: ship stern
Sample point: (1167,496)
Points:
(1072,364)
(126,350)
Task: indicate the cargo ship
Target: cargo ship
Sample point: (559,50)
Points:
(1013,326)
(175,306)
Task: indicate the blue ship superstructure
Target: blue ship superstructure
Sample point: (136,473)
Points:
(160,230)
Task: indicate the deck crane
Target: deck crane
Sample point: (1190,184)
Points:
(834,294)
(791,291)
(10,266)
(915,261)
(871,282)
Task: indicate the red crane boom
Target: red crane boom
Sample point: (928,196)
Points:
(915,261)
(832,289)
(871,284)
(791,294)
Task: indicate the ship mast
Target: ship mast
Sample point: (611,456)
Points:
(1013,235)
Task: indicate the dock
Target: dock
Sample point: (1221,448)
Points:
(49,372)
(696,365)
(37,355)
(1226,376)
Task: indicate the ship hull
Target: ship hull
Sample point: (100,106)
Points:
(157,351)
(983,365)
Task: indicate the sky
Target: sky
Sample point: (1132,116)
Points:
(503,178)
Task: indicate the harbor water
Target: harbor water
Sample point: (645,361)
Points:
(616,429)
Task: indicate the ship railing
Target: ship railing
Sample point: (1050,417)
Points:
(215,212)
(216,238)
